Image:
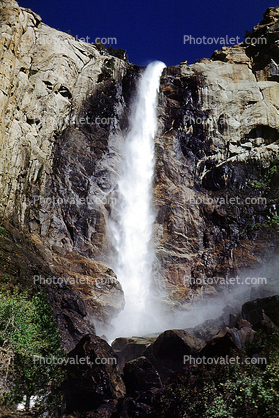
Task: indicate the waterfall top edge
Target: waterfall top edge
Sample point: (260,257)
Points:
(155,63)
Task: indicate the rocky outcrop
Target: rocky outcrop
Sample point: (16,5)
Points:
(94,386)
(228,339)
(208,329)
(22,268)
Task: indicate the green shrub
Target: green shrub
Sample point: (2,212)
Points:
(274,165)
(3,231)
(107,70)
(27,329)
(219,409)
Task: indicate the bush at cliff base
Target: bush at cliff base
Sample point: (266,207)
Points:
(27,329)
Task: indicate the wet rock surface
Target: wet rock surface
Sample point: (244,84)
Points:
(213,145)
(49,81)
(208,329)
(228,339)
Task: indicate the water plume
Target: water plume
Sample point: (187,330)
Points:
(133,232)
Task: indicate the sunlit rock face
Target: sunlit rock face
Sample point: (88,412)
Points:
(49,84)
(218,134)
(64,110)
(58,157)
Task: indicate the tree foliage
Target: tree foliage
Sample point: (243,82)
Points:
(115,52)
(27,329)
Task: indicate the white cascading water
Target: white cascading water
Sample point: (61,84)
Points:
(134,230)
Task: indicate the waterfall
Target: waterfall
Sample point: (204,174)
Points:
(133,232)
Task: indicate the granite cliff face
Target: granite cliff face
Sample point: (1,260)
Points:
(53,157)
(64,114)
(218,139)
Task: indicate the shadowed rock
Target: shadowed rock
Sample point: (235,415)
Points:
(253,310)
(97,381)
(140,375)
(226,340)
(166,353)
(128,349)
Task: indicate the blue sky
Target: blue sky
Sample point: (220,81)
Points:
(151,29)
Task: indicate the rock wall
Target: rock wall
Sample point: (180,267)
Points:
(63,117)
(216,197)
(60,100)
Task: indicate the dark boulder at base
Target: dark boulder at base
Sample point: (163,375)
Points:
(206,330)
(140,375)
(253,310)
(167,352)
(94,378)
(227,339)
(128,349)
